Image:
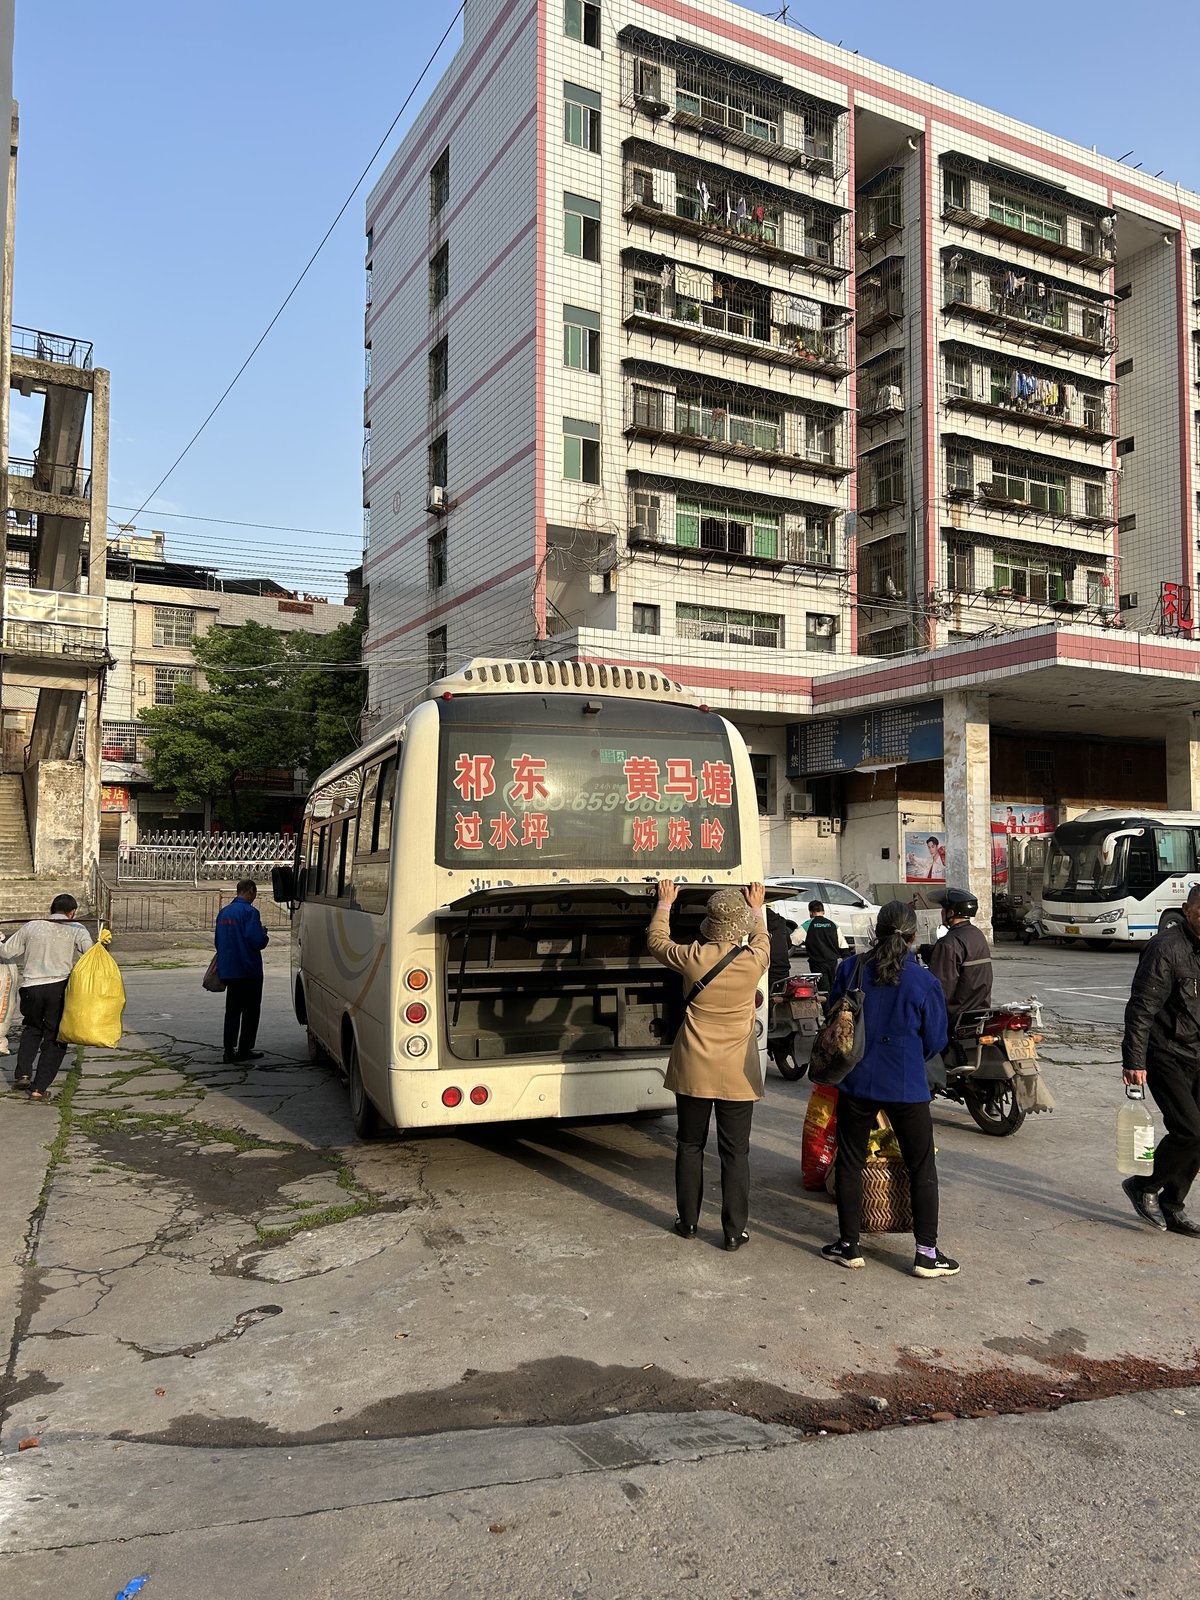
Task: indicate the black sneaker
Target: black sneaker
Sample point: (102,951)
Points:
(1179,1222)
(842,1254)
(935,1266)
(1144,1201)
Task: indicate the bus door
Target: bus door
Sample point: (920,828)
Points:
(559,971)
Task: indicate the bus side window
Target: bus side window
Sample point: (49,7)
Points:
(366,824)
(387,794)
(373,865)
(1174,847)
(1140,874)
(346,829)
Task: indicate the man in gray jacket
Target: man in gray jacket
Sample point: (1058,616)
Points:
(46,949)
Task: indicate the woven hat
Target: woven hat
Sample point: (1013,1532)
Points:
(728,917)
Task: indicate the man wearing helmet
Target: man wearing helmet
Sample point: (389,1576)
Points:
(961,960)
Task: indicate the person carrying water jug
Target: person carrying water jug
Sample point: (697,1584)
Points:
(1161,1049)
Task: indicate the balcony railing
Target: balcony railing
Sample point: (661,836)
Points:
(744,323)
(1100,259)
(736,109)
(49,622)
(1056,404)
(1053,321)
(698,203)
(56,347)
(50,478)
(716,422)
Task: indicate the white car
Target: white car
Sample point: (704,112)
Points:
(854,915)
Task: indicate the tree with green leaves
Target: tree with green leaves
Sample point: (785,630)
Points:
(272,700)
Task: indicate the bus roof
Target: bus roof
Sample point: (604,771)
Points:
(1107,820)
(486,675)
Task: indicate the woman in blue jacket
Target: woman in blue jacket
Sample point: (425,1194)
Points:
(904,1020)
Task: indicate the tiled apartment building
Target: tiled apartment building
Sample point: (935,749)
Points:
(697,341)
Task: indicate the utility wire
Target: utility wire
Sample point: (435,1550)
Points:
(229,522)
(308,264)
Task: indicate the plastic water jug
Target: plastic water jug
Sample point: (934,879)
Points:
(1135,1134)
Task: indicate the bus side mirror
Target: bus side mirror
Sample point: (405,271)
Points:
(283,885)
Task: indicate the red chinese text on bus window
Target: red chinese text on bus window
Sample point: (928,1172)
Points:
(502,830)
(474,776)
(715,781)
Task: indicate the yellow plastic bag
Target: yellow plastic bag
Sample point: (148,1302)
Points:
(95,1001)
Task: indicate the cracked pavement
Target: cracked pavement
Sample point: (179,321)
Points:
(220,1265)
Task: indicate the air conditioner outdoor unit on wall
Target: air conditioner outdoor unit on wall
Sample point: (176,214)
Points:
(798,805)
(437,497)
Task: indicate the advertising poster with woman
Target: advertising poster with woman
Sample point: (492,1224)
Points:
(925,857)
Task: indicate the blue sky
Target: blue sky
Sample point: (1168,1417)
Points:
(196,154)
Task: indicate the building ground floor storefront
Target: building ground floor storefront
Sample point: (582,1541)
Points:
(955,765)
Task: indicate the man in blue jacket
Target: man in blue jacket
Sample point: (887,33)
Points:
(240,939)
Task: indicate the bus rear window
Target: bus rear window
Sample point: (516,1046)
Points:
(532,782)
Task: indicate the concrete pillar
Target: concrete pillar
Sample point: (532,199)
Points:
(1183,762)
(98,509)
(91,775)
(967,802)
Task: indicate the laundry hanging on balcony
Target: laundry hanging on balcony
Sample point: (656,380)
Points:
(1048,394)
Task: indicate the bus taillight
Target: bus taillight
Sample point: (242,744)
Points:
(479,1095)
(417,979)
(452,1098)
(416,1012)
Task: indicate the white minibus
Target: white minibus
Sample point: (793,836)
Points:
(472,889)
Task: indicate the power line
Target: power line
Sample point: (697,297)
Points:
(230,522)
(343,208)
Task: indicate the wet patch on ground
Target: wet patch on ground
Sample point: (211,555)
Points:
(285,1187)
(568,1390)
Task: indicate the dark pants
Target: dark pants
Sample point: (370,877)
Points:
(41,1012)
(914,1131)
(243,1002)
(1176,1091)
(733,1147)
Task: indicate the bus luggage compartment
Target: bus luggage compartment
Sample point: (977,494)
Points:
(559,970)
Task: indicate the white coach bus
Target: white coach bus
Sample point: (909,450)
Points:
(472,889)
(1111,875)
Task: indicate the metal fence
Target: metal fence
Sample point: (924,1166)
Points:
(195,858)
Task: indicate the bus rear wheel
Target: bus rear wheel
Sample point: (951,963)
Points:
(368,1124)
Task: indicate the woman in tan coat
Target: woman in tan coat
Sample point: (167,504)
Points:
(714,1059)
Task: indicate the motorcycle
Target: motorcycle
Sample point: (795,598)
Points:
(990,1066)
(797,1011)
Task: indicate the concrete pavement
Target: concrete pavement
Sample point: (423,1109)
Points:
(221,1266)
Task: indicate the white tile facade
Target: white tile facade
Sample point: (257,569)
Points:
(665,435)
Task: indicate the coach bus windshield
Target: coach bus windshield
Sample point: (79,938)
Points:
(1076,870)
(578,785)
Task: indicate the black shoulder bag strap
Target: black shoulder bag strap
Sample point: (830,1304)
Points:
(708,977)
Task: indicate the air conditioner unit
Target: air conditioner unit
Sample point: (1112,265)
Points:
(821,250)
(437,497)
(798,805)
(643,533)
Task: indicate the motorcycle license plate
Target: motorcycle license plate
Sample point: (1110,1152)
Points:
(1019,1047)
(1072,929)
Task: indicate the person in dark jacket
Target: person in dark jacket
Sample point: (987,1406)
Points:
(904,1021)
(240,939)
(961,960)
(779,931)
(1161,1048)
(823,943)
